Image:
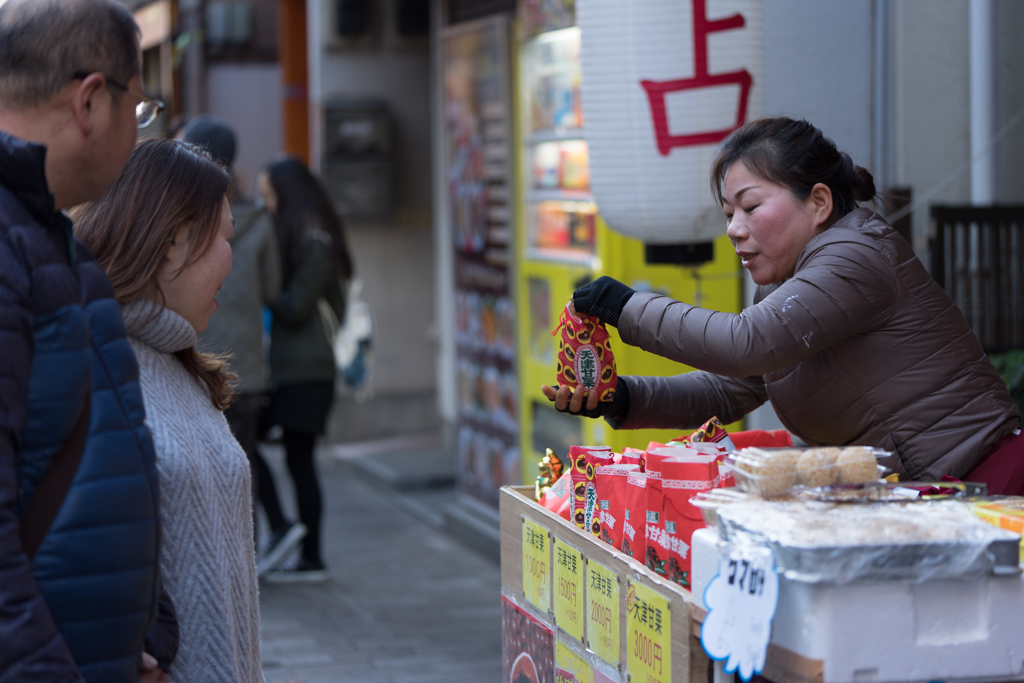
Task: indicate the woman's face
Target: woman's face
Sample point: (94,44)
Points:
(768,226)
(190,292)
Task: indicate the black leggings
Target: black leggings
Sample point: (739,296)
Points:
(302,466)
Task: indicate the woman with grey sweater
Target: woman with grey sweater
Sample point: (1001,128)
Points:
(162,234)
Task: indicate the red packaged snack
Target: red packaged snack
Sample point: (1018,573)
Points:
(656,557)
(558,497)
(712,431)
(585,357)
(633,525)
(583,461)
(633,456)
(681,478)
(611,500)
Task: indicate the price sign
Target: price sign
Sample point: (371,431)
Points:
(568,588)
(649,630)
(536,565)
(603,612)
(741,602)
(570,667)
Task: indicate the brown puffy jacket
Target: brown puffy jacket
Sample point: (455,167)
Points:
(861,346)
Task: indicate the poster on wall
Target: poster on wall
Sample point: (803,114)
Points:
(478,165)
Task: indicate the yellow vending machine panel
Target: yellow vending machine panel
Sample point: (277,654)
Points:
(562,243)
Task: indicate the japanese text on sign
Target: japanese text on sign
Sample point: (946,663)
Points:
(741,602)
(649,629)
(569,589)
(603,612)
(536,565)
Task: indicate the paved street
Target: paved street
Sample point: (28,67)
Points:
(405,602)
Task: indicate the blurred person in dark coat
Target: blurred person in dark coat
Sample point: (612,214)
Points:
(316,266)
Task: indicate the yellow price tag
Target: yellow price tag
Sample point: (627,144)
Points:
(603,612)
(571,667)
(649,629)
(536,565)
(568,588)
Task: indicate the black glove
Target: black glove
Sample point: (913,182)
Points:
(603,298)
(617,407)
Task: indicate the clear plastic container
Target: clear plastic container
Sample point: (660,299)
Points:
(770,472)
(708,502)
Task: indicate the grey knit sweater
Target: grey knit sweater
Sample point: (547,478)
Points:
(207,560)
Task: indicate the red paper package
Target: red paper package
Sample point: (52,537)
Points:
(632,456)
(759,438)
(585,357)
(681,478)
(559,496)
(656,556)
(583,461)
(611,500)
(633,525)
(727,478)
(712,431)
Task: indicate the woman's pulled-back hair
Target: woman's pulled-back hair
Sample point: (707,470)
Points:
(166,186)
(796,155)
(302,206)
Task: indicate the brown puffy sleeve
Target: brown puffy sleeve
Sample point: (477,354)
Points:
(843,286)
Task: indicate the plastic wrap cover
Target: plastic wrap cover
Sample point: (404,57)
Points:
(827,543)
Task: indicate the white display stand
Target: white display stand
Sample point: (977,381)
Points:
(951,631)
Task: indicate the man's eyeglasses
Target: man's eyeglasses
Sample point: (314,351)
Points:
(146,111)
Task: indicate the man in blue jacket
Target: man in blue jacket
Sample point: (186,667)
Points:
(70,90)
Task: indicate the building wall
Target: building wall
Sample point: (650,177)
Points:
(817,65)
(1009,19)
(931,89)
(248,96)
(394,257)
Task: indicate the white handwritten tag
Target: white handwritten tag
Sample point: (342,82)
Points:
(741,602)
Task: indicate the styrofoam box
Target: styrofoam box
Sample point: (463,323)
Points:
(970,630)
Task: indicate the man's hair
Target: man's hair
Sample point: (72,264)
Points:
(43,43)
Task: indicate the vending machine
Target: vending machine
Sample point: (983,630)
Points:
(562,242)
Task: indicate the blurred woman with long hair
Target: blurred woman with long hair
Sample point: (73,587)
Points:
(315,266)
(161,233)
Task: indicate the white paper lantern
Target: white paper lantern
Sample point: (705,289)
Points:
(663,83)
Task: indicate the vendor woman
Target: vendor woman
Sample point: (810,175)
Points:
(849,337)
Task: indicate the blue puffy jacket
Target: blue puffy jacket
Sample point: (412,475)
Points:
(82,609)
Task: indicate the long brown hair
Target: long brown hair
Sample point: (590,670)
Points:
(167,185)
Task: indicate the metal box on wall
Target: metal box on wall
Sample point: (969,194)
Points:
(358,153)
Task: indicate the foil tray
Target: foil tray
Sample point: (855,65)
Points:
(985,551)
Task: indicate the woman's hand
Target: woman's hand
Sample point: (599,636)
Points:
(568,400)
(603,298)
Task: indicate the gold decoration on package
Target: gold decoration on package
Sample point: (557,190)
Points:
(549,470)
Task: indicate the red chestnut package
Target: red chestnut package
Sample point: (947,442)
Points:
(682,478)
(712,431)
(664,553)
(611,500)
(633,456)
(584,461)
(585,357)
(633,516)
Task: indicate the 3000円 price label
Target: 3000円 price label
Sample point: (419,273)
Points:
(649,629)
